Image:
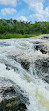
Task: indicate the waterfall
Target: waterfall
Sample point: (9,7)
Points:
(11,54)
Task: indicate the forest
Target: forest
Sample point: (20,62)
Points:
(16,29)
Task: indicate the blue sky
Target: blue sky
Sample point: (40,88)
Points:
(27,10)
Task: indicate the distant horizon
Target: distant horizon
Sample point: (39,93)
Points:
(25,10)
(22,20)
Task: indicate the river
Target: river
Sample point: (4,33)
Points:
(17,63)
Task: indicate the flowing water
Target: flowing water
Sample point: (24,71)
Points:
(36,89)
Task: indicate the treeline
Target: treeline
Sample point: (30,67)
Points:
(19,27)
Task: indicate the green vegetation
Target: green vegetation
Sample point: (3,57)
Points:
(17,29)
(9,36)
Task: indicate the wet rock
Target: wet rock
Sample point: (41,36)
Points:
(13,104)
(9,90)
(43,65)
(37,42)
(46,78)
(43,51)
(41,48)
(38,46)
(25,65)
(7,68)
(22,97)
(13,98)
(42,68)
(46,37)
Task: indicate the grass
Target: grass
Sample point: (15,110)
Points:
(9,36)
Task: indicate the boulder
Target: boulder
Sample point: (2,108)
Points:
(42,68)
(12,104)
(12,97)
(41,48)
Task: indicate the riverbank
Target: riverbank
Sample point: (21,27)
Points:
(9,35)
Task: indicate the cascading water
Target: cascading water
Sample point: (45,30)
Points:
(12,52)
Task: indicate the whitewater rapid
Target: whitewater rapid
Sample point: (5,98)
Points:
(36,89)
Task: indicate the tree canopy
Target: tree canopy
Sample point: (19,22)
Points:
(19,27)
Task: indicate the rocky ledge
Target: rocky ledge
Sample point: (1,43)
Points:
(42,68)
(12,104)
(11,97)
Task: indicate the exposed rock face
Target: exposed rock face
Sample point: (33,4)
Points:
(12,98)
(42,68)
(41,48)
(25,65)
(13,104)
(9,90)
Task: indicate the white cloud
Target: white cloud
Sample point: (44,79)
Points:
(22,18)
(8,2)
(42,16)
(36,6)
(8,11)
(38,17)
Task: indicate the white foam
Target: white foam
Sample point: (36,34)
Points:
(34,90)
(38,91)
